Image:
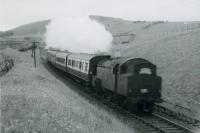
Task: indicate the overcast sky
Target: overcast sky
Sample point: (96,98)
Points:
(17,12)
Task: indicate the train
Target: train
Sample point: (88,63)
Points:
(130,82)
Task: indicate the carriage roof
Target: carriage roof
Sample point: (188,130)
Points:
(62,54)
(84,56)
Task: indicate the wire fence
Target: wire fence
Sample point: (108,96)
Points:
(6,65)
(187,28)
(128,37)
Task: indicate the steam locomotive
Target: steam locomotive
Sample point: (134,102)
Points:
(131,82)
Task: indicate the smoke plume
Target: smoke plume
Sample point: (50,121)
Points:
(78,34)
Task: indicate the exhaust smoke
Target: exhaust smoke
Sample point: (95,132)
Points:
(78,34)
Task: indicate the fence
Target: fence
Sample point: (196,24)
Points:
(187,28)
(143,37)
(6,65)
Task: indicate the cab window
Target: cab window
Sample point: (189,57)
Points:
(145,71)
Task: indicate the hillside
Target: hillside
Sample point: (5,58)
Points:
(172,46)
(29,29)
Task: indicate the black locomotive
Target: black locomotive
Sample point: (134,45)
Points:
(132,82)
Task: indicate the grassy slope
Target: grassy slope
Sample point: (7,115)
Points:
(31,28)
(32,100)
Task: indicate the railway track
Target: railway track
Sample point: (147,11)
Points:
(163,125)
(178,116)
(151,123)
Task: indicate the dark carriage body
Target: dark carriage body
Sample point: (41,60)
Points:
(51,57)
(43,54)
(61,60)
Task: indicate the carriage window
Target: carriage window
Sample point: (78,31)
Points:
(68,62)
(86,66)
(145,71)
(80,65)
(61,60)
(73,62)
(76,63)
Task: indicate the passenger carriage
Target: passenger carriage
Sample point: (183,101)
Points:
(83,66)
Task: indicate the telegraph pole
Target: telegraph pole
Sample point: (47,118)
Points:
(33,50)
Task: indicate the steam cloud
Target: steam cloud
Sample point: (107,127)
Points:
(80,35)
